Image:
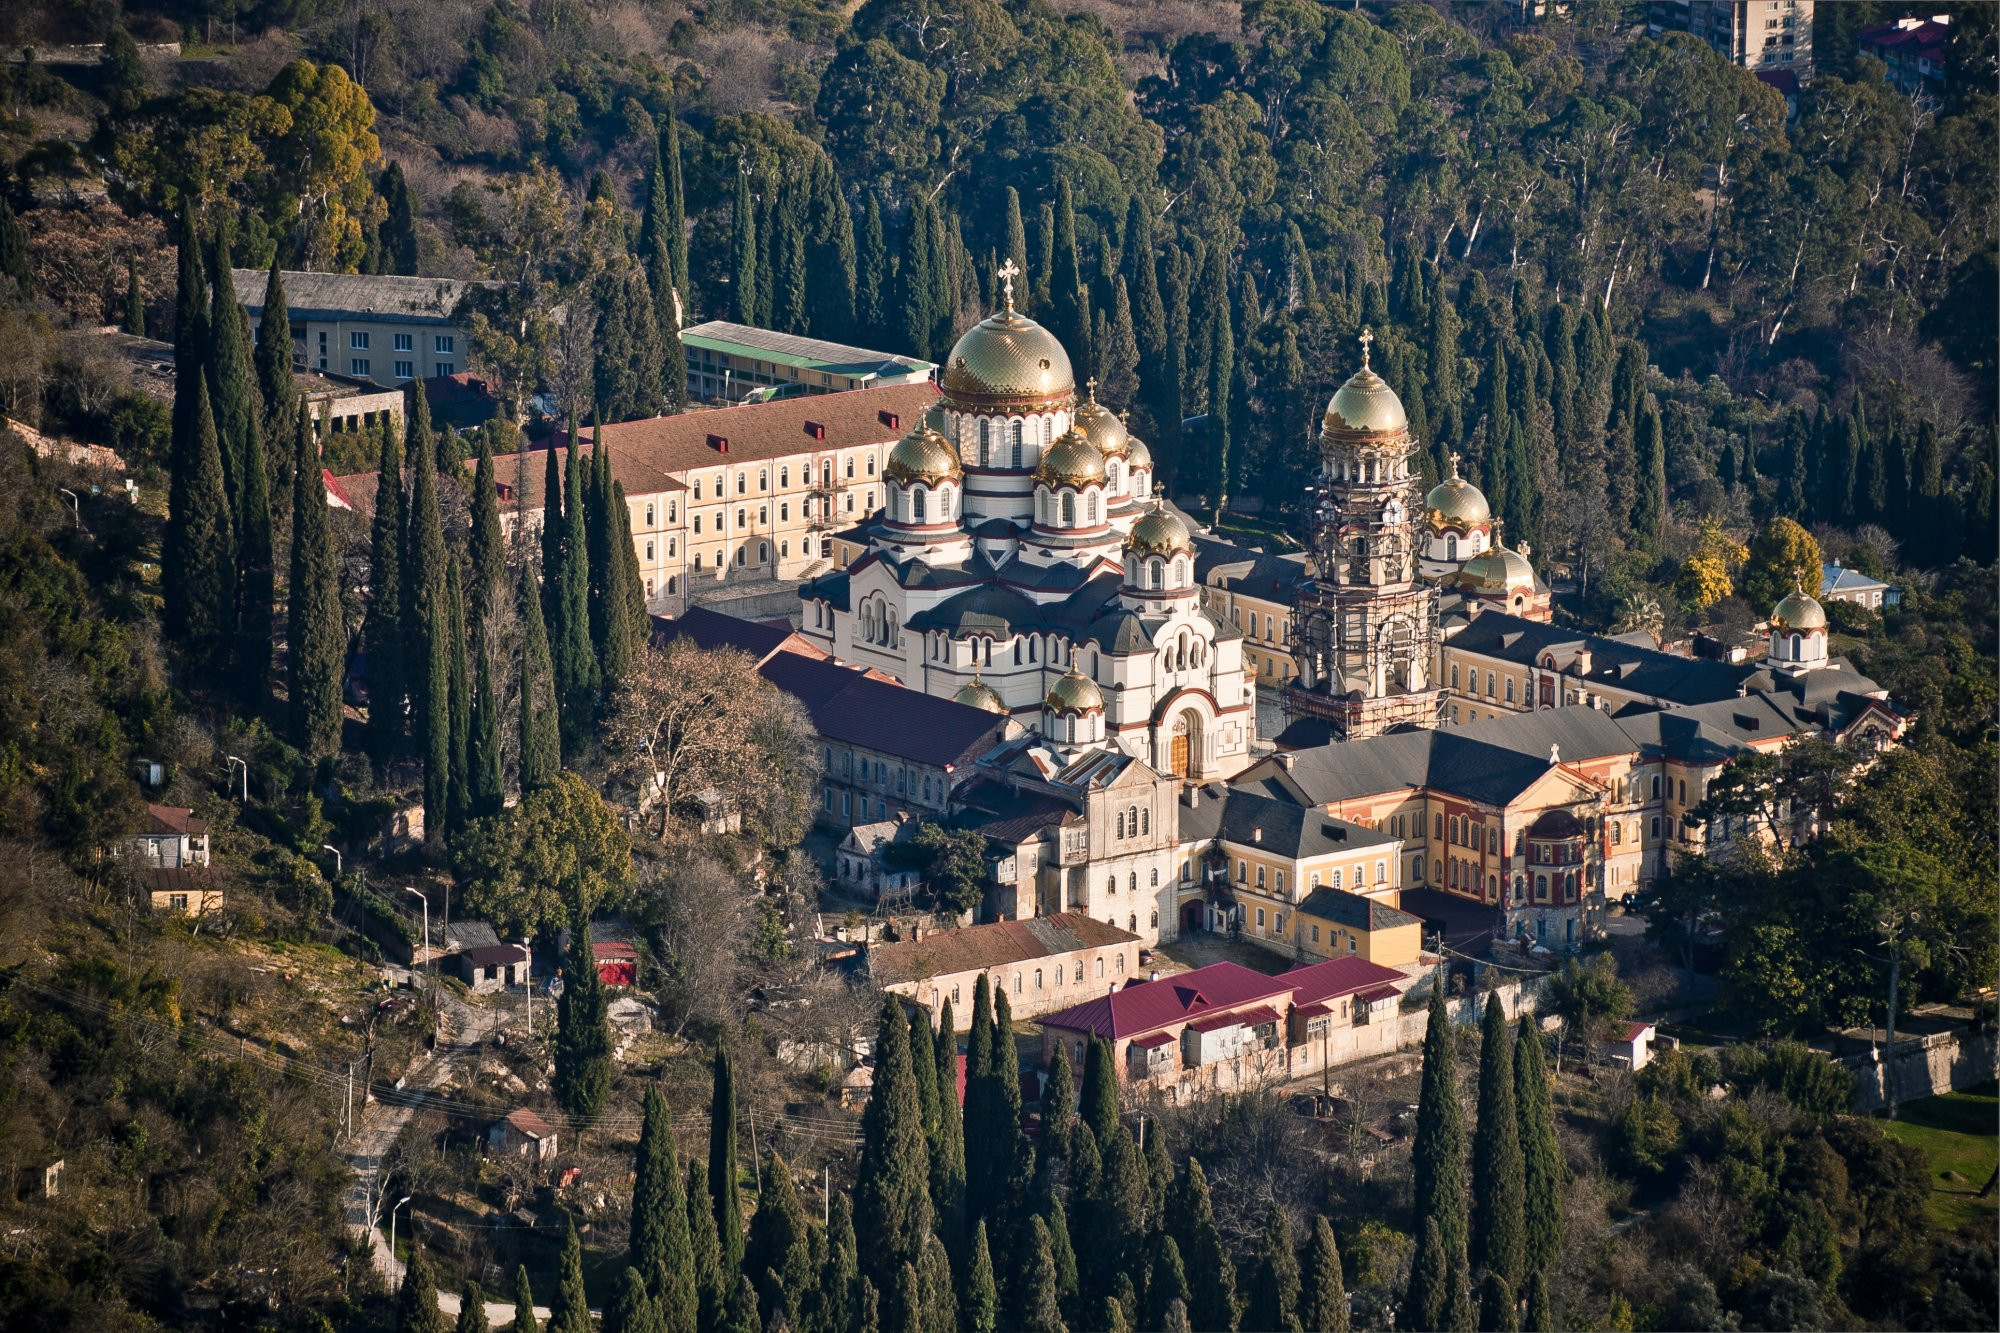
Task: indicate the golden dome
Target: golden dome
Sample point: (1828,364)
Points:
(1798,611)
(1137,457)
(1008,357)
(1160,532)
(979,694)
(1074,692)
(1456,502)
(923,455)
(1071,461)
(1366,404)
(1101,426)
(1496,570)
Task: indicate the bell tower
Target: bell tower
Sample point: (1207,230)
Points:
(1366,631)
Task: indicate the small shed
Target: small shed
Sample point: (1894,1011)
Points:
(491,967)
(524,1134)
(617,962)
(1633,1047)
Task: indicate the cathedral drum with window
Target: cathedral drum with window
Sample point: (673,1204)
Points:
(1022,561)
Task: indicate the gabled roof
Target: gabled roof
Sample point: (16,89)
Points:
(528,1123)
(792,350)
(378,296)
(1354,911)
(712,629)
(1316,982)
(1250,573)
(1151,1005)
(758,432)
(1289,828)
(1615,663)
(1835,577)
(174,819)
(853,707)
(999,944)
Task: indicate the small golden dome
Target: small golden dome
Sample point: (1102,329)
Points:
(1101,426)
(1138,457)
(1071,461)
(1007,357)
(1496,570)
(1798,611)
(1073,693)
(1160,532)
(978,694)
(923,455)
(1457,503)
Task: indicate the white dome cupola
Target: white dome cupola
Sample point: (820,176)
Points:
(1798,633)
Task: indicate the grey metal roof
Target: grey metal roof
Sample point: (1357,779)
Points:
(357,295)
(1354,911)
(1288,829)
(1614,663)
(838,358)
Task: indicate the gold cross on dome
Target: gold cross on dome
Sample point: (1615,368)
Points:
(1091,384)
(1454,462)
(1008,272)
(1367,340)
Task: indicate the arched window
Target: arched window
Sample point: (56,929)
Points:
(1111,883)
(1121,826)
(1132,882)
(1153,574)
(1132,817)
(1156,884)
(1146,827)
(1017,444)
(1155,922)
(1068,510)
(1451,546)
(1093,506)
(917,505)
(983,450)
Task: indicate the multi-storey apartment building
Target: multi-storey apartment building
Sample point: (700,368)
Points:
(1763,36)
(390,330)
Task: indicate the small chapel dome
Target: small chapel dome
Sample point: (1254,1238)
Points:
(1457,503)
(978,694)
(1160,532)
(1798,611)
(1138,458)
(1496,570)
(1101,426)
(1074,693)
(923,455)
(1071,461)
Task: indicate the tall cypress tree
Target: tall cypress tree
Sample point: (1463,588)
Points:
(743,251)
(1015,248)
(1040,1303)
(947,1164)
(426,641)
(583,1030)
(829,255)
(569,1312)
(246,473)
(272,361)
(1460,1315)
(779,1249)
(524,1303)
(190,353)
(471,1310)
(767,231)
(1437,1157)
(1496,1305)
(677,245)
(488,781)
(315,633)
(1063,1252)
(722,1162)
(655,237)
(1004,1138)
(1497,1182)
(980,1166)
(1058,1104)
(1426,1298)
(135,300)
(978,1297)
(871,277)
(915,283)
(1118,364)
(541,743)
(203,588)
(710,1277)
(1098,1107)
(835,1299)
(486,555)
(230,383)
(575,660)
(632,1309)
(1221,377)
(458,690)
(788,259)
(1542,1164)
(382,632)
(1649,504)
(1168,445)
(1323,1290)
(1166,1283)
(1540,1316)
(399,228)
(1274,1283)
(1193,1220)
(1069,302)
(892,1207)
(417,1297)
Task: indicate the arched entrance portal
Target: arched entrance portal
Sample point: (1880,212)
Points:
(1184,751)
(1192,917)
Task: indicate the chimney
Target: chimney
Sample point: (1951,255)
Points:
(1583,660)
(816,429)
(893,420)
(719,443)
(1153,975)
(1190,796)
(1285,759)
(1257,835)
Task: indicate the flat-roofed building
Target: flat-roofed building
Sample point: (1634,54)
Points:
(740,363)
(376,327)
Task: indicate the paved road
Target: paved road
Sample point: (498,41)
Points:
(462,1029)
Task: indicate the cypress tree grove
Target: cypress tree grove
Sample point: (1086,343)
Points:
(524,1303)
(1542,1164)
(722,1163)
(743,250)
(1213,1305)
(1497,1182)
(541,745)
(1274,1283)
(569,1312)
(315,633)
(276,390)
(583,1032)
(1323,1289)
(829,255)
(1069,302)
(660,1246)
(382,632)
(575,660)
(892,1207)
(417,1297)
(1437,1157)
(246,474)
(202,573)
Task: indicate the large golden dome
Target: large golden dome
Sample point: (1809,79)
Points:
(1160,532)
(1457,503)
(1074,692)
(1798,611)
(1007,357)
(923,455)
(978,694)
(1101,426)
(1071,461)
(1366,405)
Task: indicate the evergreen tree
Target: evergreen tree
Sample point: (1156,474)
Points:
(1497,1180)
(982,1171)
(947,1164)
(231,383)
(382,634)
(486,554)
(1437,1157)
(315,632)
(743,252)
(1058,1103)
(1425,1299)
(1540,1317)
(1460,1314)
(1323,1290)
(903,1311)
(1221,374)
(1793,490)
(575,661)
(660,1246)
(14,246)
(240,437)
(656,238)
(524,1303)
(923,1065)
(583,1030)
(541,746)
(1213,1305)
(937,1290)
(399,228)
(829,256)
(202,582)
(1063,1252)
(836,1296)
(871,277)
(1274,1284)
(1069,302)
(632,1309)
(471,1310)
(978,1299)
(427,640)
(788,259)
(1099,1105)
(1542,1164)
(1169,446)
(417,1298)
(1496,1305)
(1442,376)
(1166,1284)
(779,1249)
(767,233)
(1159,1171)
(1004,1140)
(570,1311)
(722,1173)
(892,1211)
(916,283)
(740,1316)
(1039,1302)
(1649,505)
(1118,366)
(711,1278)
(677,244)
(620,625)
(1015,248)
(190,349)
(458,689)
(271,360)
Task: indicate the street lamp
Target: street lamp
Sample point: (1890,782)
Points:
(427,920)
(392,1226)
(75,512)
(329,847)
(233,762)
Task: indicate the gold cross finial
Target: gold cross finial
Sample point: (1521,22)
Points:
(1091,385)
(1008,272)
(1367,341)
(1454,462)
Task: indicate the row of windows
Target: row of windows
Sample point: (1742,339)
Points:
(358,368)
(721,481)
(444,344)
(1140,822)
(1132,881)
(1021,979)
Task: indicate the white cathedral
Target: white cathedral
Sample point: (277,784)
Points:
(1023,565)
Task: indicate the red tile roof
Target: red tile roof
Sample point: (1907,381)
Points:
(1634,1030)
(978,948)
(777,429)
(527,1122)
(1152,1005)
(173,819)
(1337,977)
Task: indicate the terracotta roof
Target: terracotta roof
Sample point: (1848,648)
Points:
(527,1122)
(173,819)
(613,949)
(760,431)
(1152,1005)
(1634,1030)
(981,948)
